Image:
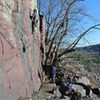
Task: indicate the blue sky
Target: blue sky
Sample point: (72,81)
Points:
(93,8)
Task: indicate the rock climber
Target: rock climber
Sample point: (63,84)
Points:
(34,18)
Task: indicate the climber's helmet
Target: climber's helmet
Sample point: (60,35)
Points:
(35,11)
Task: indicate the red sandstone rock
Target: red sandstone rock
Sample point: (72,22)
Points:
(20,66)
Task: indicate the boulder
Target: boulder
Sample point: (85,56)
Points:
(57,93)
(83,80)
(79,89)
(65,98)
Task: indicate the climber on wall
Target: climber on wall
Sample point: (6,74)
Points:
(34,18)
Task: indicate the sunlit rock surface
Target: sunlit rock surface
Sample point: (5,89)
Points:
(20,55)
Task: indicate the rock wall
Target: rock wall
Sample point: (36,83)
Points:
(20,59)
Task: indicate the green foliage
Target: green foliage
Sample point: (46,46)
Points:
(82,60)
(96,59)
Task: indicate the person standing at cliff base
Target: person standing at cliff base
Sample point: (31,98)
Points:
(53,73)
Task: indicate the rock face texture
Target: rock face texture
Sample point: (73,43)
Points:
(20,54)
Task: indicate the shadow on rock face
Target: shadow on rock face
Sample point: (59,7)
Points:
(96,91)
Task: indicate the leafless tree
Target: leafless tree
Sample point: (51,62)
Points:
(63,20)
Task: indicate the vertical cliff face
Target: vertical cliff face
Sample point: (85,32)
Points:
(20,63)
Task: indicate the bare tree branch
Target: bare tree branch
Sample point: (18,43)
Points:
(62,18)
(71,46)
